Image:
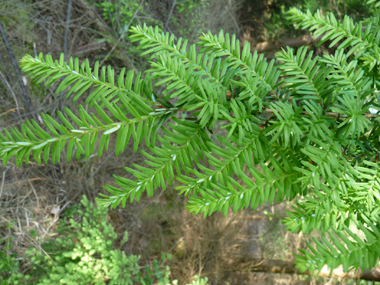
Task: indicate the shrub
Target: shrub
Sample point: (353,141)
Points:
(122,14)
(9,266)
(84,254)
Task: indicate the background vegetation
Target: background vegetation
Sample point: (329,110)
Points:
(36,200)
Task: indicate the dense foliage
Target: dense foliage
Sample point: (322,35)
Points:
(84,254)
(304,127)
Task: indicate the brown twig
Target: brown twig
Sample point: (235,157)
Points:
(170,15)
(292,42)
(61,102)
(331,114)
(26,100)
(270,111)
(67,29)
(2,77)
(288,267)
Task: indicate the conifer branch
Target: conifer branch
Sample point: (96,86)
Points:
(302,126)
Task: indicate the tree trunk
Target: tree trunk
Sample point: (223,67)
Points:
(280,266)
(292,42)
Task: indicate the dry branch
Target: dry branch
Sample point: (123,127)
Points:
(278,44)
(26,100)
(91,47)
(288,267)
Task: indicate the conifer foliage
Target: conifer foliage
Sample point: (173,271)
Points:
(299,126)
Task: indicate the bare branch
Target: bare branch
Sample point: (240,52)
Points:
(280,266)
(67,29)
(25,98)
(292,42)
(170,14)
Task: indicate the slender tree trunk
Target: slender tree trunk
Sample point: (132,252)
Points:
(280,266)
(292,42)
(25,97)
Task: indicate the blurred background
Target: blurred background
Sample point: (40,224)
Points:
(34,198)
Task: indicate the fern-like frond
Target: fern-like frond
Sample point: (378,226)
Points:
(351,251)
(318,125)
(354,123)
(34,139)
(253,64)
(321,210)
(359,42)
(286,125)
(259,190)
(243,122)
(82,77)
(323,160)
(193,92)
(304,76)
(214,189)
(179,149)
(155,42)
(233,159)
(365,196)
(346,75)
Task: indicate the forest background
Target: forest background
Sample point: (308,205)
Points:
(35,199)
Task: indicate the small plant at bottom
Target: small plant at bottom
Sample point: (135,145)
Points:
(85,256)
(9,266)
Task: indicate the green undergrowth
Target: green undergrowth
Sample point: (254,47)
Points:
(84,253)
